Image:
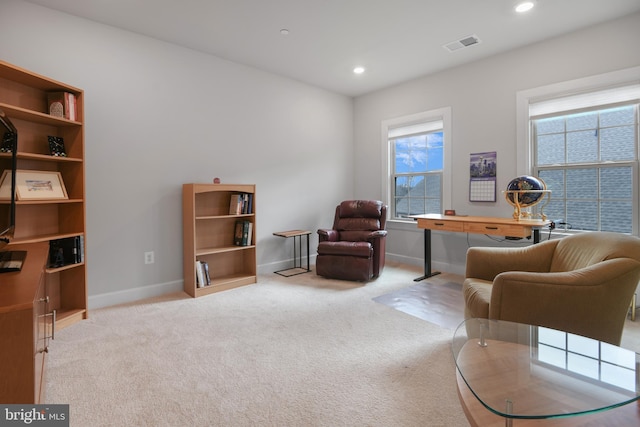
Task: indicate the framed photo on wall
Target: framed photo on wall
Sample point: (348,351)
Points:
(40,185)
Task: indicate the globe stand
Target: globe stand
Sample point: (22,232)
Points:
(514,199)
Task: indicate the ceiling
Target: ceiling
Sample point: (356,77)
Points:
(395,40)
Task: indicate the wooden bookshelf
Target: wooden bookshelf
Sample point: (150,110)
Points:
(208,233)
(23,98)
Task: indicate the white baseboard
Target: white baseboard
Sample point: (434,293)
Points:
(142,292)
(129,295)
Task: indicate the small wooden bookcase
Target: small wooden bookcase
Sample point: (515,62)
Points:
(208,236)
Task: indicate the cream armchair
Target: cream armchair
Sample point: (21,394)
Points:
(581,284)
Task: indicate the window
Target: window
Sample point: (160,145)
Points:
(585,147)
(588,160)
(416,151)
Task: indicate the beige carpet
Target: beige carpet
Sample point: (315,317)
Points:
(297,351)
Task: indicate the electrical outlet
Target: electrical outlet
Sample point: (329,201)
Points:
(149,258)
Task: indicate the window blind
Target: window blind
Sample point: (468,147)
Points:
(415,129)
(585,100)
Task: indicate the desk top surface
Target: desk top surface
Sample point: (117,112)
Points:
(291,233)
(482,219)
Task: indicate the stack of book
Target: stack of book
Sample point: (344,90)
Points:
(241,204)
(203,277)
(243,234)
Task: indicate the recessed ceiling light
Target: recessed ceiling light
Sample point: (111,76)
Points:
(524,6)
(358,70)
(284,32)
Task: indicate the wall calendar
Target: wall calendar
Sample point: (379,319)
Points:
(482,172)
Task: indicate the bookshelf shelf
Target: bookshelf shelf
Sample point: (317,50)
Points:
(209,230)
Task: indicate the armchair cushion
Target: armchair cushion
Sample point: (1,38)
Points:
(581,284)
(361,249)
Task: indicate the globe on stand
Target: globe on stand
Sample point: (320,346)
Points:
(525,192)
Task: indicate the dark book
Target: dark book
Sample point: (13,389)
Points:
(56,146)
(63,252)
(80,248)
(245,233)
(238,233)
(250,203)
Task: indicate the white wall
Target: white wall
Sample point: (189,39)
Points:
(157,116)
(482,96)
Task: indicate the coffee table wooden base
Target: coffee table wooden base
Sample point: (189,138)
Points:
(479,416)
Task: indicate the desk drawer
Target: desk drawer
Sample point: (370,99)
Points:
(497,229)
(438,224)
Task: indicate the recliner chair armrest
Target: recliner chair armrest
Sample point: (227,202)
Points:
(487,262)
(377,234)
(327,235)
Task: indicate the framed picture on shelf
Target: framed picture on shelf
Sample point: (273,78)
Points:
(56,146)
(40,185)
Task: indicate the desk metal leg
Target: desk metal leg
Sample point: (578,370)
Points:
(427,258)
(536,235)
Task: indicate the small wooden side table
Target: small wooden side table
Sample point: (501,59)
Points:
(297,252)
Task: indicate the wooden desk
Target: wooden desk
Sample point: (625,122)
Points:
(474,224)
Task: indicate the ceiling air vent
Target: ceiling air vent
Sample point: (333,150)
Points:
(463,42)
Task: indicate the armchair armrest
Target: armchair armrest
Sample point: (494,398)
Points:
(486,263)
(327,235)
(592,301)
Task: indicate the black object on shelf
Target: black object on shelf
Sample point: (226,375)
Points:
(12,261)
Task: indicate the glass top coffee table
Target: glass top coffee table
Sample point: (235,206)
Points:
(523,372)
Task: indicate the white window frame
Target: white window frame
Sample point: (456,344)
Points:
(524,146)
(440,114)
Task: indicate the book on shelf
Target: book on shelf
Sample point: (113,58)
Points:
(249,235)
(62,104)
(207,276)
(241,204)
(203,277)
(66,251)
(199,275)
(235,204)
(238,233)
(243,233)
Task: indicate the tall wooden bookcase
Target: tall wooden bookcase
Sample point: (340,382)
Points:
(208,233)
(23,98)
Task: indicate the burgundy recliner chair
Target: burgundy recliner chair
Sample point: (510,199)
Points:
(354,248)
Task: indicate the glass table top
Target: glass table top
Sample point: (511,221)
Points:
(524,371)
